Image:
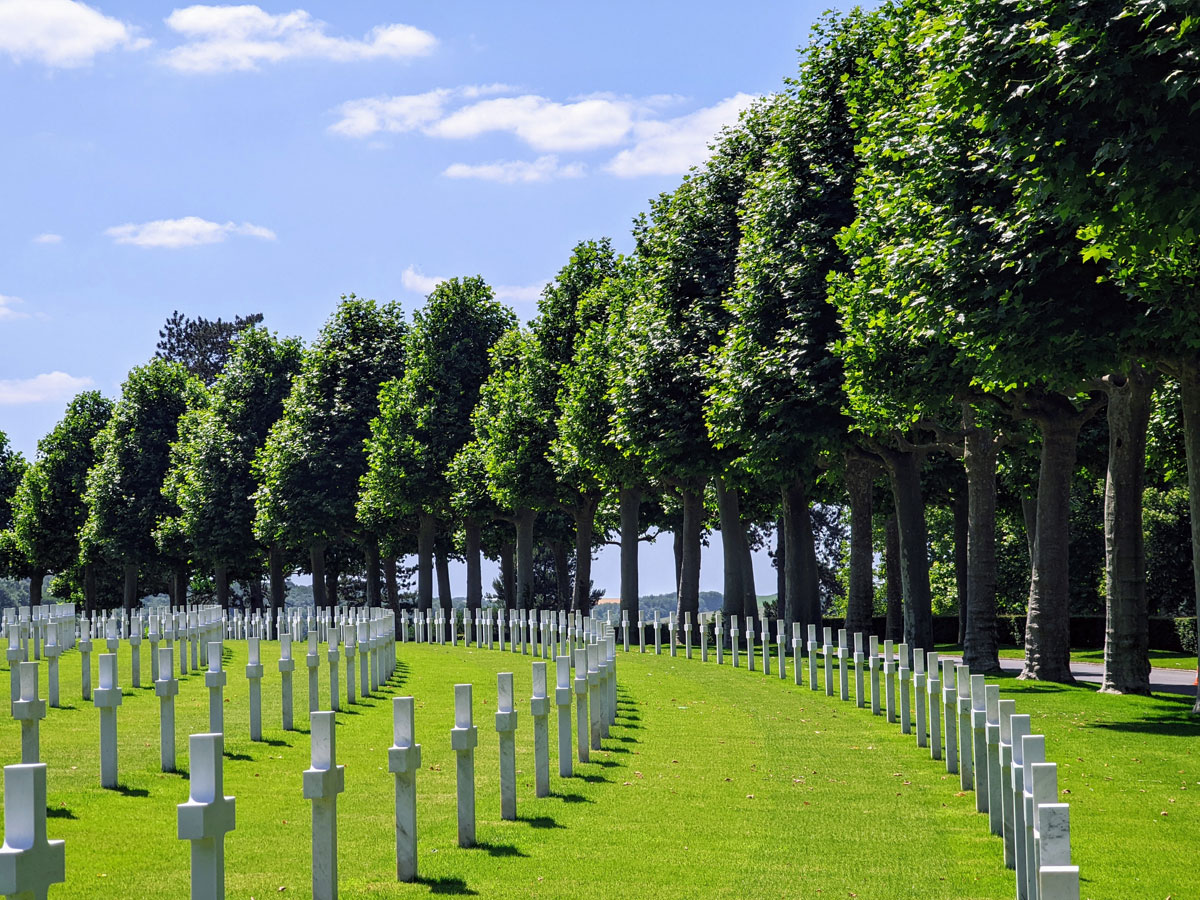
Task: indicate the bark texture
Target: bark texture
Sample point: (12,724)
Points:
(981,649)
(316,554)
(729,512)
(1127,617)
(471,544)
(893,628)
(630,506)
(803,601)
(275,571)
(860,601)
(905,471)
(524,519)
(1189,392)
(426,532)
(689,574)
(585,523)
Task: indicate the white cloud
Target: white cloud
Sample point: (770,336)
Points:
(408,112)
(544,168)
(414,281)
(48,238)
(672,147)
(63,33)
(189,231)
(7,312)
(52,386)
(240,38)
(544,124)
(530,293)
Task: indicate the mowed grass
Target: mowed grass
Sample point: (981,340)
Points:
(1159,659)
(715,783)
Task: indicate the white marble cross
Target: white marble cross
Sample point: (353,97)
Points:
(166,687)
(539,708)
(29,711)
(404,762)
(323,781)
(286,666)
(215,679)
(582,716)
(992,750)
(562,699)
(29,863)
(506,728)
(254,674)
(595,707)
(464,737)
(207,816)
(107,698)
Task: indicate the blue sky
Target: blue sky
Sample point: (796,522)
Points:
(223,160)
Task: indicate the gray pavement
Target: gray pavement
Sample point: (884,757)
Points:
(1169,681)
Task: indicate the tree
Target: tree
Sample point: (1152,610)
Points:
(201,345)
(124,488)
(13,561)
(314,457)
(210,482)
(425,416)
(49,508)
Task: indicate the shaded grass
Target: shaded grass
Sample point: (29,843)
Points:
(715,783)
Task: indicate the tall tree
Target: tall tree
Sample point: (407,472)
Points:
(309,468)
(210,482)
(124,488)
(425,416)
(201,345)
(49,509)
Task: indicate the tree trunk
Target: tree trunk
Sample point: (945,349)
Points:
(688,594)
(256,594)
(333,569)
(278,588)
(585,521)
(893,629)
(89,588)
(1029,515)
(961,505)
(860,601)
(221,580)
(749,591)
(981,650)
(1048,623)
(524,519)
(1127,625)
(180,581)
(130,598)
(316,555)
(471,542)
(801,584)
(1189,394)
(562,575)
(630,503)
(905,471)
(677,547)
(733,600)
(780,566)
(371,555)
(35,588)
(441,555)
(508,577)
(390,585)
(426,530)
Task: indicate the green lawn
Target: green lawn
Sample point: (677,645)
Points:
(715,783)
(1159,659)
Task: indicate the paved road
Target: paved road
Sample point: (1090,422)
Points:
(1170,681)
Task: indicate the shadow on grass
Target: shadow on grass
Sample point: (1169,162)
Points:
(274,742)
(64,706)
(447,886)
(126,791)
(592,779)
(540,822)
(571,798)
(604,763)
(59,812)
(238,757)
(499,849)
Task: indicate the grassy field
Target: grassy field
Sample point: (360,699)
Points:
(715,783)
(1159,659)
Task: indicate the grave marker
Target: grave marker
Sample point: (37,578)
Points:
(107,698)
(874,663)
(905,697)
(463,739)
(733,639)
(214,680)
(950,714)
(313,661)
(29,863)
(254,674)
(781,648)
(562,699)
(919,692)
(85,659)
(889,680)
(207,816)
(812,657)
(992,745)
(506,727)
(594,701)
(539,708)
(1019,730)
(166,687)
(286,666)
(1007,708)
(966,779)
(53,651)
(335,692)
(323,781)
(859,700)
(404,761)
(797,653)
(750,643)
(582,727)
(29,711)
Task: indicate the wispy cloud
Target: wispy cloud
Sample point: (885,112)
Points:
(651,144)
(190,231)
(242,38)
(52,386)
(413,280)
(48,238)
(9,310)
(419,283)
(544,168)
(673,146)
(61,33)
(407,112)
